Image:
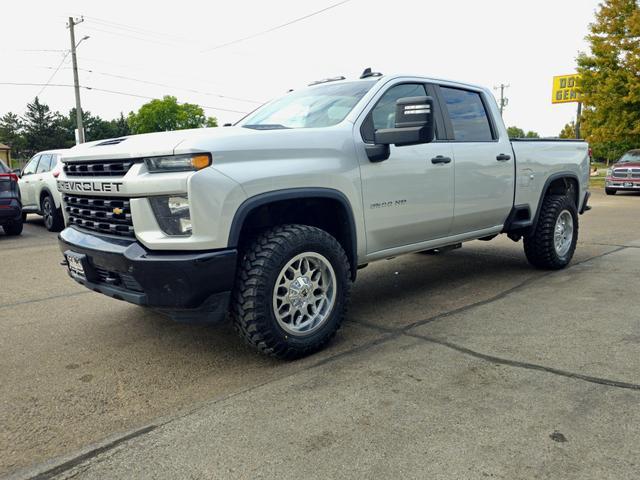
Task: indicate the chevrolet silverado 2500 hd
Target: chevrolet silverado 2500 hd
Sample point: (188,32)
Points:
(270,219)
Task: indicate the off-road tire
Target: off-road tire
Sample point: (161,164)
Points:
(53,220)
(610,191)
(539,245)
(13,228)
(259,266)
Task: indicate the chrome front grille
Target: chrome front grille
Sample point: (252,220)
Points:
(620,173)
(104,168)
(102,214)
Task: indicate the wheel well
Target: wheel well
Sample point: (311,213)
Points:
(329,214)
(43,193)
(565,185)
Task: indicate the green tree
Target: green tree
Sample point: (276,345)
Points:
(43,129)
(610,79)
(120,127)
(517,132)
(167,114)
(569,130)
(11,134)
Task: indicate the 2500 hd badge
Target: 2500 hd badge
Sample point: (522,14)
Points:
(65,185)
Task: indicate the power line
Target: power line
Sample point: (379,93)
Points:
(148,82)
(31,50)
(232,42)
(115,92)
(137,30)
(125,35)
(54,73)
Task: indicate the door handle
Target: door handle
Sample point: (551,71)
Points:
(503,157)
(440,159)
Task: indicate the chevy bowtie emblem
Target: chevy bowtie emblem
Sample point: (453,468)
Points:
(118,211)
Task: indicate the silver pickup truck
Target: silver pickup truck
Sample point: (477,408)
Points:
(270,219)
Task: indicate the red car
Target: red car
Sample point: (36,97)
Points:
(624,175)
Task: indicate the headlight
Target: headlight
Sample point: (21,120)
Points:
(178,163)
(609,172)
(172,213)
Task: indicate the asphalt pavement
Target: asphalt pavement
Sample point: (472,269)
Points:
(468,364)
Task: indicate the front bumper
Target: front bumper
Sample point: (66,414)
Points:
(628,184)
(188,286)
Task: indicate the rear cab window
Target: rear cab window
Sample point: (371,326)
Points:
(468,115)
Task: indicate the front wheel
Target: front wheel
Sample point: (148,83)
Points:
(52,216)
(291,292)
(610,191)
(551,245)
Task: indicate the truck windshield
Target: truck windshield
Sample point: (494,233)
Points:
(632,156)
(316,106)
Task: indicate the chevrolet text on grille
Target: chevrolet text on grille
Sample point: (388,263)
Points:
(89,186)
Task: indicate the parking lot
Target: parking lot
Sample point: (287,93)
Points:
(468,364)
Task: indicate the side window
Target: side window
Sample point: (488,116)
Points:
(468,115)
(31,166)
(45,163)
(383,114)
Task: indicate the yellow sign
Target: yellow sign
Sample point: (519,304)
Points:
(565,89)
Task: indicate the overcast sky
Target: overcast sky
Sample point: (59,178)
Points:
(182,45)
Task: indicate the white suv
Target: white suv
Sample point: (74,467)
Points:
(38,188)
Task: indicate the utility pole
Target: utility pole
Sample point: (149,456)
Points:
(578,115)
(504,101)
(76,83)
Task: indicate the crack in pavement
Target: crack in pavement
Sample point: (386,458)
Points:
(44,299)
(63,467)
(49,469)
(388,334)
(405,330)
(525,365)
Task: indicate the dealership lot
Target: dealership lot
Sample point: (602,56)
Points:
(468,364)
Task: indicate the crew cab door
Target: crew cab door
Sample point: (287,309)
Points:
(484,160)
(407,198)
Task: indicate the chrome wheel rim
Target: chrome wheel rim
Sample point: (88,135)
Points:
(563,233)
(46,213)
(304,293)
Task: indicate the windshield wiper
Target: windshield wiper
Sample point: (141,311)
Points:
(265,126)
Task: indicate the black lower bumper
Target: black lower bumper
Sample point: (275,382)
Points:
(186,285)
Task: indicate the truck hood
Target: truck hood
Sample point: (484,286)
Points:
(155,144)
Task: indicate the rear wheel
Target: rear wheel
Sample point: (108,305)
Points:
(52,216)
(610,191)
(291,292)
(552,243)
(14,227)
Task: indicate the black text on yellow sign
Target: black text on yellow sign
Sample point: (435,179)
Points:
(565,89)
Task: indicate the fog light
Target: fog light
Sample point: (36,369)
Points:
(173,214)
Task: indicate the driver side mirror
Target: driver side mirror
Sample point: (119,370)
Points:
(414,125)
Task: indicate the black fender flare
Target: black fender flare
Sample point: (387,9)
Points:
(261,199)
(545,189)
